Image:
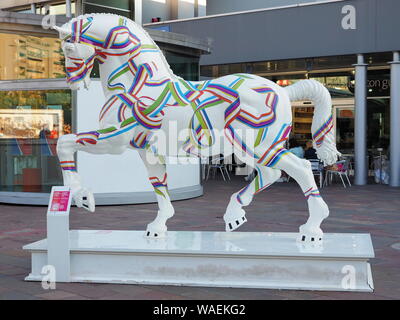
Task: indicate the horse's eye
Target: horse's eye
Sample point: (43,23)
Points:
(69,48)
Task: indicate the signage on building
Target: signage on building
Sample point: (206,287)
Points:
(377,85)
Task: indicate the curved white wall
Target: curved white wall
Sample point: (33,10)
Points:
(125,173)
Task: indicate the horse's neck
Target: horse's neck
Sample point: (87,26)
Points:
(108,68)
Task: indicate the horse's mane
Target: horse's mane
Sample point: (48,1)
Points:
(87,15)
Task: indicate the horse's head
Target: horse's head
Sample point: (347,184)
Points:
(79,58)
(104,37)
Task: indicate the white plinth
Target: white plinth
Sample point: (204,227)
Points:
(215,259)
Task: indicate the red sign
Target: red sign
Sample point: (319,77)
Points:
(346,114)
(60,200)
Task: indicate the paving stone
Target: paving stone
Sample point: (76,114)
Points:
(55,295)
(16,295)
(370,209)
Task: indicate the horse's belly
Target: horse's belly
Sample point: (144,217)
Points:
(176,119)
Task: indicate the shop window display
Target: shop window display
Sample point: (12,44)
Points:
(30,124)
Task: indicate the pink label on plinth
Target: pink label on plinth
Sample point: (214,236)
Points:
(60,201)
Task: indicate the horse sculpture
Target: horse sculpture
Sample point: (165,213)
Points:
(143,97)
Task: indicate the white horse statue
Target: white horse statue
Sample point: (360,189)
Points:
(143,97)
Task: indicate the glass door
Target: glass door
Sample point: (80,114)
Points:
(343,115)
(302,114)
(344,127)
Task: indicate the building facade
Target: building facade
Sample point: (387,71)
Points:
(348,45)
(142,11)
(221,7)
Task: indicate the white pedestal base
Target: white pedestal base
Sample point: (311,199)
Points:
(215,259)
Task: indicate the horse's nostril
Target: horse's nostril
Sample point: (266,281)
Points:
(69,63)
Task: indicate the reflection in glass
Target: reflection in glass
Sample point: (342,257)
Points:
(119,7)
(345,129)
(30,124)
(28,57)
(186,67)
(378,120)
(54,9)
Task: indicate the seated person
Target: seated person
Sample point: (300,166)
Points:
(296,148)
(310,152)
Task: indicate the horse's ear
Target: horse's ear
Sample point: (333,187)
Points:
(61,31)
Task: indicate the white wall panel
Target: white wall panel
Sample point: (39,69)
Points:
(119,173)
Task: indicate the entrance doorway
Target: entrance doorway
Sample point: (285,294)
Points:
(343,122)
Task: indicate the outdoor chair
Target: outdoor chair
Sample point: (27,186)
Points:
(340,169)
(318,170)
(217,163)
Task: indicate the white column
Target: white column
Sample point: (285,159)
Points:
(33,8)
(360,122)
(395,120)
(138,11)
(68,11)
(78,8)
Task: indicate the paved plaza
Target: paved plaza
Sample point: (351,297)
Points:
(371,209)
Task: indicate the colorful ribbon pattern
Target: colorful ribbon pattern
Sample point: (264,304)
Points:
(134,109)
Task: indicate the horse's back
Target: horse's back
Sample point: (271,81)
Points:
(257,95)
(248,85)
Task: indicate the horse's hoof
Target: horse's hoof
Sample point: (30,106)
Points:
(309,238)
(234,223)
(155,234)
(155,230)
(85,199)
(310,235)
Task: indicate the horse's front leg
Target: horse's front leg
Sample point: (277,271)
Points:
(90,142)
(156,169)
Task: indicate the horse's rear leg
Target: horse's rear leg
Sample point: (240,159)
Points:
(300,170)
(156,169)
(235,215)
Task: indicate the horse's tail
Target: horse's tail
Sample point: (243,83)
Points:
(322,123)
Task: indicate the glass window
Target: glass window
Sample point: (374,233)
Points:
(206,71)
(120,4)
(338,85)
(120,7)
(301,127)
(378,120)
(97,9)
(345,129)
(184,66)
(30,124)
(378,126)
(54,9)
(378,83)
(28,57)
